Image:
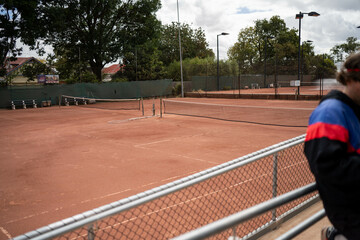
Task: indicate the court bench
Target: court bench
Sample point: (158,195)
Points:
(76,101)
(23,103)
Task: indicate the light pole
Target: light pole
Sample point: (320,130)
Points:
(181,68)
(300,16)
(217,44)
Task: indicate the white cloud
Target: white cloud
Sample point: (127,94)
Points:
(337,21)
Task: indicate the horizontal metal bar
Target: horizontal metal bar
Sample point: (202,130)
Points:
(303,226)
(237,218)
(72,223)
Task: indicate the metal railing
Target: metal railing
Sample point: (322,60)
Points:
(233,221)
(197,200)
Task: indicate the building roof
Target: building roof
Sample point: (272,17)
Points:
(19,62)
(112,69)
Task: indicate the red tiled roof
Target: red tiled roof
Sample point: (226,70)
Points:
(112,69)
(12,65)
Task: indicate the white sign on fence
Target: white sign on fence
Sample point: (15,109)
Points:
(295,83)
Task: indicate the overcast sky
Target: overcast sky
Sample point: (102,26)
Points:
(338,19)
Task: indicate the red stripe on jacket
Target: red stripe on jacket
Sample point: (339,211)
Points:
(330,131)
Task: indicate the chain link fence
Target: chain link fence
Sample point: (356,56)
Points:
(189,203)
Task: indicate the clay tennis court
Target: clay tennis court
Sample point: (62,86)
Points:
(58,162)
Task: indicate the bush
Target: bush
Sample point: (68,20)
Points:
(176,91)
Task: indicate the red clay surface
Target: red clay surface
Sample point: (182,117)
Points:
(58,162)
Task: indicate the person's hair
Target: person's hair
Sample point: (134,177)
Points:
(350,69)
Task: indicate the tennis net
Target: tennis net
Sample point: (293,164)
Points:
(111,104)
(262,115)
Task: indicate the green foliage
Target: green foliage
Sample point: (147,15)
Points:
(89,77)
(32,70)
(102,30)
(86,77)
(201,67)
(273,41)
(323,67)
(342,51)
(176,91)
(143,63)
(191,67)
(193,43)
(18,20)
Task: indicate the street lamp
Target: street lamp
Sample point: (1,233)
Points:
(217,42)
(300,16)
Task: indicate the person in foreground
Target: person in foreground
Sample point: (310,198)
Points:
(332,147)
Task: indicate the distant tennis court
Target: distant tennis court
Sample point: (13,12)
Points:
(61,161)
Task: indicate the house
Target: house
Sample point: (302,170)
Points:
(110,71)
(14,69)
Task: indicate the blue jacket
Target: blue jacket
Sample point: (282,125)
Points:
(332,147)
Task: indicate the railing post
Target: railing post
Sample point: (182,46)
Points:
(274,184)
(91,232)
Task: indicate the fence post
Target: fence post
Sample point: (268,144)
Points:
(142,106)
(234,237)
(91,232)
(160,107)
(274,184)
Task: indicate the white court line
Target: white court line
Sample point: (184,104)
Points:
(168,140)
(5,232)
(142,146)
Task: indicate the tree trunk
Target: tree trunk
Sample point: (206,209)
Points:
(96,69)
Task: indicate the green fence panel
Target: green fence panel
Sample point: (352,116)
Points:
(116,90)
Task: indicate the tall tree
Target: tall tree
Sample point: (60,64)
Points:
(18,21)
(142,63)
(244,51)
(101,29)
(193,43)
(341,51)
(267,36)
